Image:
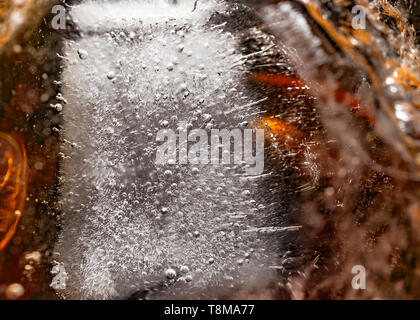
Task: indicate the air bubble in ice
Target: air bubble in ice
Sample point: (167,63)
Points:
(183,87)
(58,107)
(170,67)
(184,269)
(82,54)
(246,193)
(168,173)
(111,75)
(170,273)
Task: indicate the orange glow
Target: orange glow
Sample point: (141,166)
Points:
(17,16)
(12,186)
(340,95)
(406,78)
(281,129)
(277,80)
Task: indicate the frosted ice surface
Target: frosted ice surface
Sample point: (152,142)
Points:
(128,224)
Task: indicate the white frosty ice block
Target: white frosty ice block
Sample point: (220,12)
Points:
(129,225)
